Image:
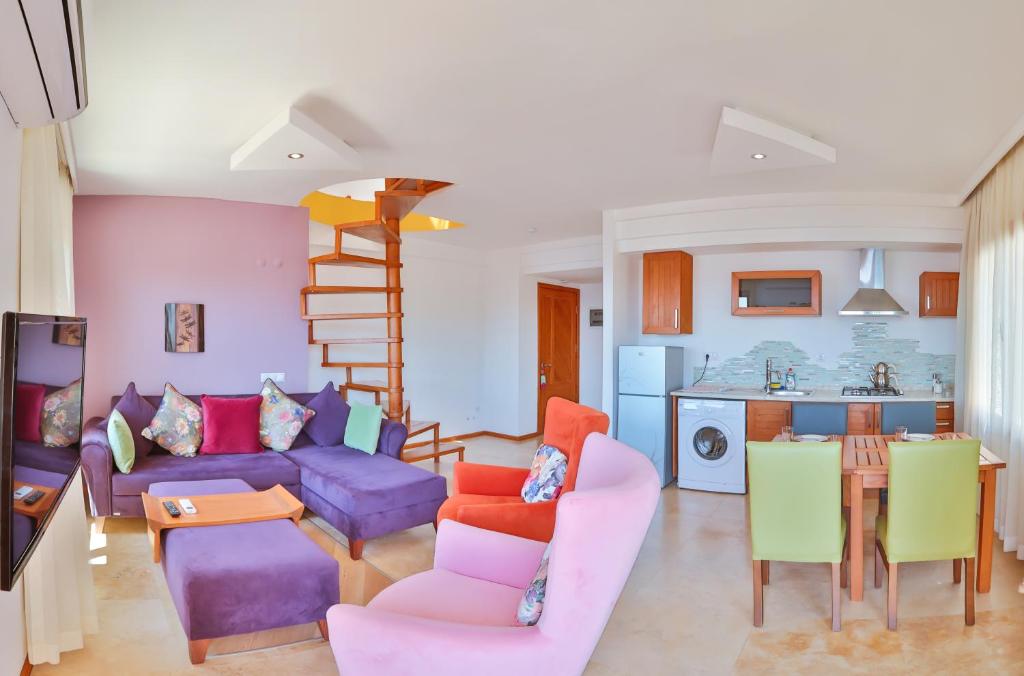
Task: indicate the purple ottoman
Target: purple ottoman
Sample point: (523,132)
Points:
(245,577)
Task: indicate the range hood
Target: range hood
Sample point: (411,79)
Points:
(871,298)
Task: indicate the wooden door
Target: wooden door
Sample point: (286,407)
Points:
(939,291)
(864,419)
(765,419)
(558,346)
(668,292)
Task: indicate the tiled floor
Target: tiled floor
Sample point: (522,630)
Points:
(686,608)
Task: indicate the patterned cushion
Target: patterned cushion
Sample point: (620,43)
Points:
(532,603)
(547,475)
(62,416)
(177,425)
(281,418)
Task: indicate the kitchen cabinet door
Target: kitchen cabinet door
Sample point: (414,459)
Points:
(944,415)
(939,292)
(765,419)
(668,292)
(863,419)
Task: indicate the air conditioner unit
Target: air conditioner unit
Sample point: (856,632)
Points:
(42,68)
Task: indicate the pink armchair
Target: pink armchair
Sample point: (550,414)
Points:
(460,617)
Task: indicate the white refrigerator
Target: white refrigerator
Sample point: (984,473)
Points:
(647,373)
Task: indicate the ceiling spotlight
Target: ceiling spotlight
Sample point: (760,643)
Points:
(295,156)
(531,230)
(758,156)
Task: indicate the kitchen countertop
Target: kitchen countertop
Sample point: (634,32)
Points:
(818,395)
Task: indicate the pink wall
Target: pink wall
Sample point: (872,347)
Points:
(246,262)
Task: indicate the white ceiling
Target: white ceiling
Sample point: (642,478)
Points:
(543,113)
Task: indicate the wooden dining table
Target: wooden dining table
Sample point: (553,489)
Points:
(866,465)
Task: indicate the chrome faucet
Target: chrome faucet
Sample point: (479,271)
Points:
(768,375)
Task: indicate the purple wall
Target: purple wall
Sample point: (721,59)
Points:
(40,360)
(246,262)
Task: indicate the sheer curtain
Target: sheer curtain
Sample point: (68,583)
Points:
(990,372)
(60,604)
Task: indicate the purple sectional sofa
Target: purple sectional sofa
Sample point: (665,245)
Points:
(363,496)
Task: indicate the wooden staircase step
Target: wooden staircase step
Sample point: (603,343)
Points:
(357,365)
(321,290)
(352,341)
(397,204)
(417,427)
(435,452)
(365,386)
(351,315)
(375,231)
(351,260)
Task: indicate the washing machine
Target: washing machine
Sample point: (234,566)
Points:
(712,445)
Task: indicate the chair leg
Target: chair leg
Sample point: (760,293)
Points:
(836,626)
(322,626)
(758,596)
(893,595)
(956,570)
(879,564)
(969,594)
(844,565)
(764,571)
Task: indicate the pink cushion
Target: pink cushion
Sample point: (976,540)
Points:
(231,425)
(442,595)
(28,411)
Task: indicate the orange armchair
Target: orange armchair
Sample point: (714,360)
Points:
(488,496)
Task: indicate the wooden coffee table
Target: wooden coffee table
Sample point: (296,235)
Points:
(41,507)
(219,510)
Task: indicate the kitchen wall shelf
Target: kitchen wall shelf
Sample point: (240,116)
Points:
(776,292)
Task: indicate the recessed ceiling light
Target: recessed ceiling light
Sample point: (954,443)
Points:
(758,156)
(295,156)
(531,230)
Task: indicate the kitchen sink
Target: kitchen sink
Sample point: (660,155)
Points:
(790,393)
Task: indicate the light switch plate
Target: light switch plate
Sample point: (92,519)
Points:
(276,377)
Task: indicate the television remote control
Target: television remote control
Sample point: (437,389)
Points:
(33,497)
(187,506)
(171,509)
(22,492)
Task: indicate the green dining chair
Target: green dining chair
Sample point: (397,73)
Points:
(796,512)
(932,514)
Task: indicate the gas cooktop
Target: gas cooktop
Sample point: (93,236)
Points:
(852,391)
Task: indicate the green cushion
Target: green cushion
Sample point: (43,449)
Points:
(933,501)
(122,443)
(363,427)
(796,501)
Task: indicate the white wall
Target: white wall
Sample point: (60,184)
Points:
(12,624)
(591,298)
(718,332)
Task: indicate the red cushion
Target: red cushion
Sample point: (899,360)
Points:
(28,411)
(231,425)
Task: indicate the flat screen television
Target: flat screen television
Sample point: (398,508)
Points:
(41,385)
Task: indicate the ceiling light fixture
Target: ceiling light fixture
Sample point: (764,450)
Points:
(758,156)
(295,156)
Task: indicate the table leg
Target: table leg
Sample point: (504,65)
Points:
(856,530)
(986,530)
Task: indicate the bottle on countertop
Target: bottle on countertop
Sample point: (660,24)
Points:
(937,383)
(790,379)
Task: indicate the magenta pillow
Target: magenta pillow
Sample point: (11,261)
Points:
(28,411)
(231,425)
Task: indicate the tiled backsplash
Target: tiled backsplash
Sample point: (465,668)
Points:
(871,344)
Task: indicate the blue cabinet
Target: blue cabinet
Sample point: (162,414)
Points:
(916,416)
(819,418)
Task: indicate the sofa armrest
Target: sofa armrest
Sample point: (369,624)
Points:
(392,438)
(530,520)
(487,555)
(476,479)
(98,466)
(371,642)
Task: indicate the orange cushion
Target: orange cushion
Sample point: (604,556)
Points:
(450,508)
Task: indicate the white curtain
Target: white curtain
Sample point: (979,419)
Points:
(60,603)
(990,372)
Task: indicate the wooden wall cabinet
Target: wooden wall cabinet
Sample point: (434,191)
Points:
(765,419)
(668,292)
(777,292)
(864,419)
(938,294)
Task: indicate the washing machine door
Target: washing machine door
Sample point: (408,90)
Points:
(711,443)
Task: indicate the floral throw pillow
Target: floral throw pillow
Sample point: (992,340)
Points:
(177,425)
(281,417)
(61,423)
(547,475)
(532,603)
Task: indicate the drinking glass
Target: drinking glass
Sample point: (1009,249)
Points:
(901,432)
(787,433)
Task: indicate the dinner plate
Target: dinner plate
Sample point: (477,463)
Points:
(811,437)
(920,437)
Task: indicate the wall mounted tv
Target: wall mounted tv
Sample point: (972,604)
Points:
(41,383)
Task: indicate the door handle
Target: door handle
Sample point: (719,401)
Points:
(927,303)
(675,319)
